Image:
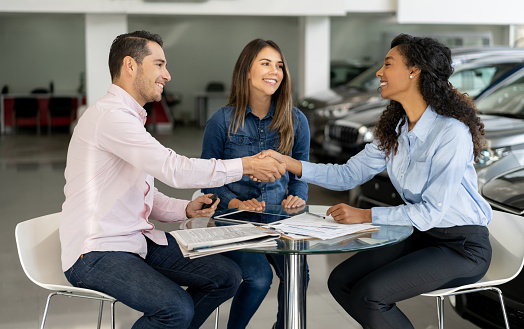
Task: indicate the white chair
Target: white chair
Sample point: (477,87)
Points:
(506,232)
(196,194)
(39,250)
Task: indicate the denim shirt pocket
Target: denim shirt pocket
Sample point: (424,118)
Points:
(241,146)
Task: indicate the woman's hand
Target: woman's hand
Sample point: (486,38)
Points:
(292,201)
(294,211)
(252,204)
(345,214)
(194,208)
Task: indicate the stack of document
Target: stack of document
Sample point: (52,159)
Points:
(311,225)
(200,242)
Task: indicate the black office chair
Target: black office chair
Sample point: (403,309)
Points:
(215,87)
(60,112)
(26,113)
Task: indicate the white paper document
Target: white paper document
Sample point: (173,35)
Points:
(318,226)
(211,240)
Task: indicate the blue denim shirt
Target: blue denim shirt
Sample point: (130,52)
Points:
(249,140)
(432,171)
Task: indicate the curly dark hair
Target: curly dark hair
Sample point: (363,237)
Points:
(434,61)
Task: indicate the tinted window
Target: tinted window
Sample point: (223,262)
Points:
(507,99)
(473,81)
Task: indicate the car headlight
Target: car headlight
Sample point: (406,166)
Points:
(334,111)
(307,105)
(366,133)
(489,156)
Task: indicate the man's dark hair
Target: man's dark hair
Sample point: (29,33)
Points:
(132,44)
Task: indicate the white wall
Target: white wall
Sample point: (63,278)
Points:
(360,37)
(36,49)
(39,48)
(461,12)
(200,49)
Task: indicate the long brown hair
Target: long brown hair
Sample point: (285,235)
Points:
(435,64)
(282,121)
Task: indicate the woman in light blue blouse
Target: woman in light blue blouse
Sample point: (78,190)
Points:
(427,139)
(259,116)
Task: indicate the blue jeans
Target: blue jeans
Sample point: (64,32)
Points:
(257,278)
(153,285)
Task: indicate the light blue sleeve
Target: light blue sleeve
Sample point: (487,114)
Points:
(445,185)
(357,170)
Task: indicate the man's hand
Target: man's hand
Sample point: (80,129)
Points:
(272,153)
(292,165)
(263,169)
(345,214)
(194,208)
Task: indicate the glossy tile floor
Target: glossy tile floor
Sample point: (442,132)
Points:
(31,185)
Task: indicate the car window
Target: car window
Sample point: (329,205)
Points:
(341,74)
(473,81)
(367,80)
(508,99)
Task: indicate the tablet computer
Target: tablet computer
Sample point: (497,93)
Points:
(247,216)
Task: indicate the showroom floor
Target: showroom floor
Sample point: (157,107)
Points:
(31,176)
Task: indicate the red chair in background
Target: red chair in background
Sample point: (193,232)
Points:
(26,113)
(60,112)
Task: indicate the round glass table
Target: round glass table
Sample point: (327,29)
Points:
(295,251)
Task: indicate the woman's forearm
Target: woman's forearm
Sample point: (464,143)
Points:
(294,166)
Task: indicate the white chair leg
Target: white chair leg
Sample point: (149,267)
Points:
(504,314)
(440,311)
(216,317)
(113,315)
(46,309)
(100,310)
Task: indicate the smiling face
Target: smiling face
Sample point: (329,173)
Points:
(395,81)
(151,76)
(266,73)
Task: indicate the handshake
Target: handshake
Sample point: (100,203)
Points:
(268,166)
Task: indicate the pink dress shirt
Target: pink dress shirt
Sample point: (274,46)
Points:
(109,192)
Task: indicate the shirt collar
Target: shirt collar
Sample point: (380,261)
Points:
(129,101)
(269,114)
(424,124)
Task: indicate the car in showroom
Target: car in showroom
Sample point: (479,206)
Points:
(505,192)
(337,102)
(501,113)
(343,71)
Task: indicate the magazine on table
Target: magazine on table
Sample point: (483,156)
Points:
(199,242)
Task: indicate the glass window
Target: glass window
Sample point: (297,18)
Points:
(474,80)
(507,99)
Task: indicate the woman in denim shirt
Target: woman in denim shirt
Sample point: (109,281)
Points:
(259,116)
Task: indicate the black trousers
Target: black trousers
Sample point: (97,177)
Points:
(368,284)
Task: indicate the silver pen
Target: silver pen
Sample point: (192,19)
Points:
(316,215)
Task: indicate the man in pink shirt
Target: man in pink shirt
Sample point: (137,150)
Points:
(108,241)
